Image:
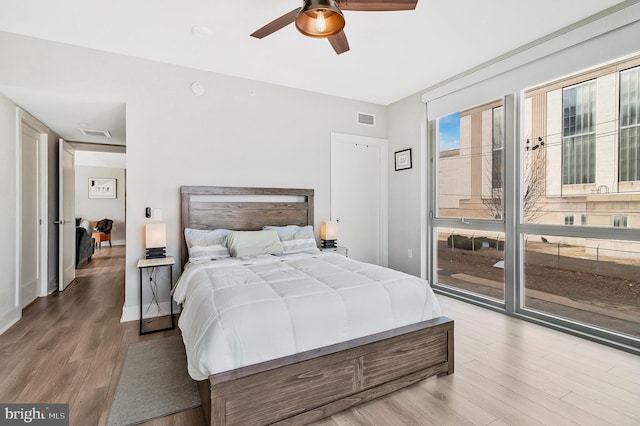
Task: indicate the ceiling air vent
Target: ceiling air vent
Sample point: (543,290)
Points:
(99,133)
(366,119)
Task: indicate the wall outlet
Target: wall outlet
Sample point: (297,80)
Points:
(409,253)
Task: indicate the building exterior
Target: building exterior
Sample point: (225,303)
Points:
(581,153)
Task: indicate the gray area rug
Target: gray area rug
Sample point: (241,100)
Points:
(153,383)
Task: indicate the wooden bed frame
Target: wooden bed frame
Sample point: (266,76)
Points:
(308,386)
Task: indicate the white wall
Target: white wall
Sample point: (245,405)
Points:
(9,312)
(277,137)
(405,121)
(93,209)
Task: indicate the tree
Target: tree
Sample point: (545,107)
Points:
(534,184)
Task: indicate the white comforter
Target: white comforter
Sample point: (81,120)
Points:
(239,312)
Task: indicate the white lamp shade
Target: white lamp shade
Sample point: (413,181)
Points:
(156,235)
(329,230)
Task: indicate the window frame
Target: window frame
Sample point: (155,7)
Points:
(515,230)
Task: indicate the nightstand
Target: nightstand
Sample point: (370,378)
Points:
(156,263)
(338,249)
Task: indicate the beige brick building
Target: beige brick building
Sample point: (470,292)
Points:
(581,153)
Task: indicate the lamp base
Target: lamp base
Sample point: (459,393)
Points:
(156,253)
(328,243)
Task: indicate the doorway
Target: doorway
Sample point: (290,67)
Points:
(359,195)
(101,163)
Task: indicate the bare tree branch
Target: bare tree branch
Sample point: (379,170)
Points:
(534,187)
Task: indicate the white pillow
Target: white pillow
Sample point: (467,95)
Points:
(253,243)
(205,244)
(296,239)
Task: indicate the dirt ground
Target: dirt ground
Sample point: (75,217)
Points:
(571,277)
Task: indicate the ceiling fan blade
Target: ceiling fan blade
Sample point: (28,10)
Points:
(276,24)
(339,42)
(377,5)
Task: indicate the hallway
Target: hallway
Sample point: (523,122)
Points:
(69,347)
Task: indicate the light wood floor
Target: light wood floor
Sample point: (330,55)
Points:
(69,348)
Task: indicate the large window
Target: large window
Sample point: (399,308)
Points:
(469,237)
(564,248)
(579,133)
(630,124)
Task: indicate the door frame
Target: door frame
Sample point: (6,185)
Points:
(337,138)
(23,117)
(64,146)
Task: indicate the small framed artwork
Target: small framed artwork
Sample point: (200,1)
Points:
(403,159)
(102,188)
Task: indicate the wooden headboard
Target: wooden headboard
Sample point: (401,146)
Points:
(237,208)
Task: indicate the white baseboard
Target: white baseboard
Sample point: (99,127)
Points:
(9,319)
(132,313)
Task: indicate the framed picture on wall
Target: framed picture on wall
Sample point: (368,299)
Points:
(102,188)
(403,159)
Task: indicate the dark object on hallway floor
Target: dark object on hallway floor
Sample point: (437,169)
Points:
(84,244)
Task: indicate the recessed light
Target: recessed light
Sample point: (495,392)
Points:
(201,31)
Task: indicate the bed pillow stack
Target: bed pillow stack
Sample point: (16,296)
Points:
(206,244)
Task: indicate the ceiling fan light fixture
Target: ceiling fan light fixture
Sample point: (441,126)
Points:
(320,18)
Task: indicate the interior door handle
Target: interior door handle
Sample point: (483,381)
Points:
(60,222)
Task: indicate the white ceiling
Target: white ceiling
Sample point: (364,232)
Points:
(67,115)
(393,54)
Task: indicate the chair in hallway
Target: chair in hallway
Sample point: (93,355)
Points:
(102,231)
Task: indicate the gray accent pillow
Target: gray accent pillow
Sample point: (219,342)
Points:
(253,243)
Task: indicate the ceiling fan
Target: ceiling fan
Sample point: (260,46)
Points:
(324,18)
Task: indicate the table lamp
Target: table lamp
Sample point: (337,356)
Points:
(156,240)
(328,234)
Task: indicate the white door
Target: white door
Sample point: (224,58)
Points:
(30,239)
(31,226)
(66,215)
(32,243)
(359,195)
